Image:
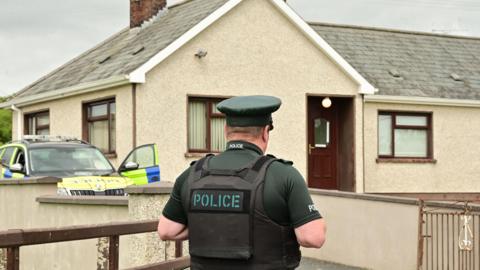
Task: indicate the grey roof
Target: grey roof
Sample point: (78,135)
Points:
(396,62)
(120,49)
(405,63)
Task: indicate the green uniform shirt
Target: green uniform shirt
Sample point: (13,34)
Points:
(286,197)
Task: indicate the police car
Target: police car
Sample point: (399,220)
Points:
(83,168)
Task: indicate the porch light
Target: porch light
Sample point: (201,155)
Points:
(326,102)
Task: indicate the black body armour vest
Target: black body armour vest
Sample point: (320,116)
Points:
(228,226)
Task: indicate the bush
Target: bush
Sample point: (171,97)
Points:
(5,125)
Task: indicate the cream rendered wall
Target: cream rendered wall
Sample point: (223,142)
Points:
(456,140)
(21,210)
(66,117)
(253,49)
(369,233)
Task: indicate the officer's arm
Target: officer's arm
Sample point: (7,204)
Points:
(171,230)
(308,223)
(171,225)
(311,234)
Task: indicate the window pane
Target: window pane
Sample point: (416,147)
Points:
(322,132)
(31,126)
(410,143)
(214,107)
(98,110)
(43,120)
(385,135)
(143,156)
(218,141)
(197,125)
(98,134)
(44,131)
(412,120)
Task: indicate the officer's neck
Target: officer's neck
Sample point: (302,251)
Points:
(260,141)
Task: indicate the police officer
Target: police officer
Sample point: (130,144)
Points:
(242,209)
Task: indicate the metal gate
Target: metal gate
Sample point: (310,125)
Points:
(449,239)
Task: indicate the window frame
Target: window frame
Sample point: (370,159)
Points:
(428,128)
(209,100)
(27,116)
(86,120)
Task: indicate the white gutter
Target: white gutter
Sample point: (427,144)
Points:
(19,121)
(66,92)
(422,101)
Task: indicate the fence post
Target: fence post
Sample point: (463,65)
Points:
(420,235)
(178,248)
(114,243)
(3,259)
(13,258)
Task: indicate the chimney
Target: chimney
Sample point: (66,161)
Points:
(142,10)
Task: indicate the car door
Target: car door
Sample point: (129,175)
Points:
(148,169)
(5,162)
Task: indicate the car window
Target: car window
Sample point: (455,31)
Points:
(144,156)
(19,157)
(7,156)
(73,160)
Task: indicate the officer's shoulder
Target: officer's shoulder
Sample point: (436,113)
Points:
(281,161)
(195,161)
(283,169)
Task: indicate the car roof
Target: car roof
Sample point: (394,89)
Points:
(33,145)
(47,144)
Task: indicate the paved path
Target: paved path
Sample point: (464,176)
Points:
(311,264)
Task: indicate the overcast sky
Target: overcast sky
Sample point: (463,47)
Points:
(36,36)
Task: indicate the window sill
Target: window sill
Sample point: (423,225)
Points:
(110,155)
(195,155)
(406,160)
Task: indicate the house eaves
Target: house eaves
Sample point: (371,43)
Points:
(139,74)
(68,91)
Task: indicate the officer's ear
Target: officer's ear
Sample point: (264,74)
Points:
(266,133)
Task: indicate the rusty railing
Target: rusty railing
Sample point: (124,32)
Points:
(12,240)
(449,238)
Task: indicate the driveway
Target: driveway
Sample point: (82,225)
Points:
(311,264)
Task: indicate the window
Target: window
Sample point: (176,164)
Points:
(404,135)
(144,156)
(205,125)
(99,125)
(37,123)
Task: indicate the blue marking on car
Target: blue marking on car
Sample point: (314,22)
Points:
(7,173)
(153,174)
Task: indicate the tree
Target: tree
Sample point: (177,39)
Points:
(5,124)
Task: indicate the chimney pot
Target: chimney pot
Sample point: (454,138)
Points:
(142,10)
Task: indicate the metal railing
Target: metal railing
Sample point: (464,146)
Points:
(12,240)
(449,238)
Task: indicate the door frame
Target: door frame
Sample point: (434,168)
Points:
(353,99)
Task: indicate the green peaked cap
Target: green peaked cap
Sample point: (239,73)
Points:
(249,111)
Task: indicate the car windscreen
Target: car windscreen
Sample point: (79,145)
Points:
(63,161)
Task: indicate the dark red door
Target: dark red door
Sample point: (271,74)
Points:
(322,145)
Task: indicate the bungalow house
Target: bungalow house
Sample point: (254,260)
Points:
(364,109)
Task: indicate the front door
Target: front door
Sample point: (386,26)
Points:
(322,144)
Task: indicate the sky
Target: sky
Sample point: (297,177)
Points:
(37,36)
